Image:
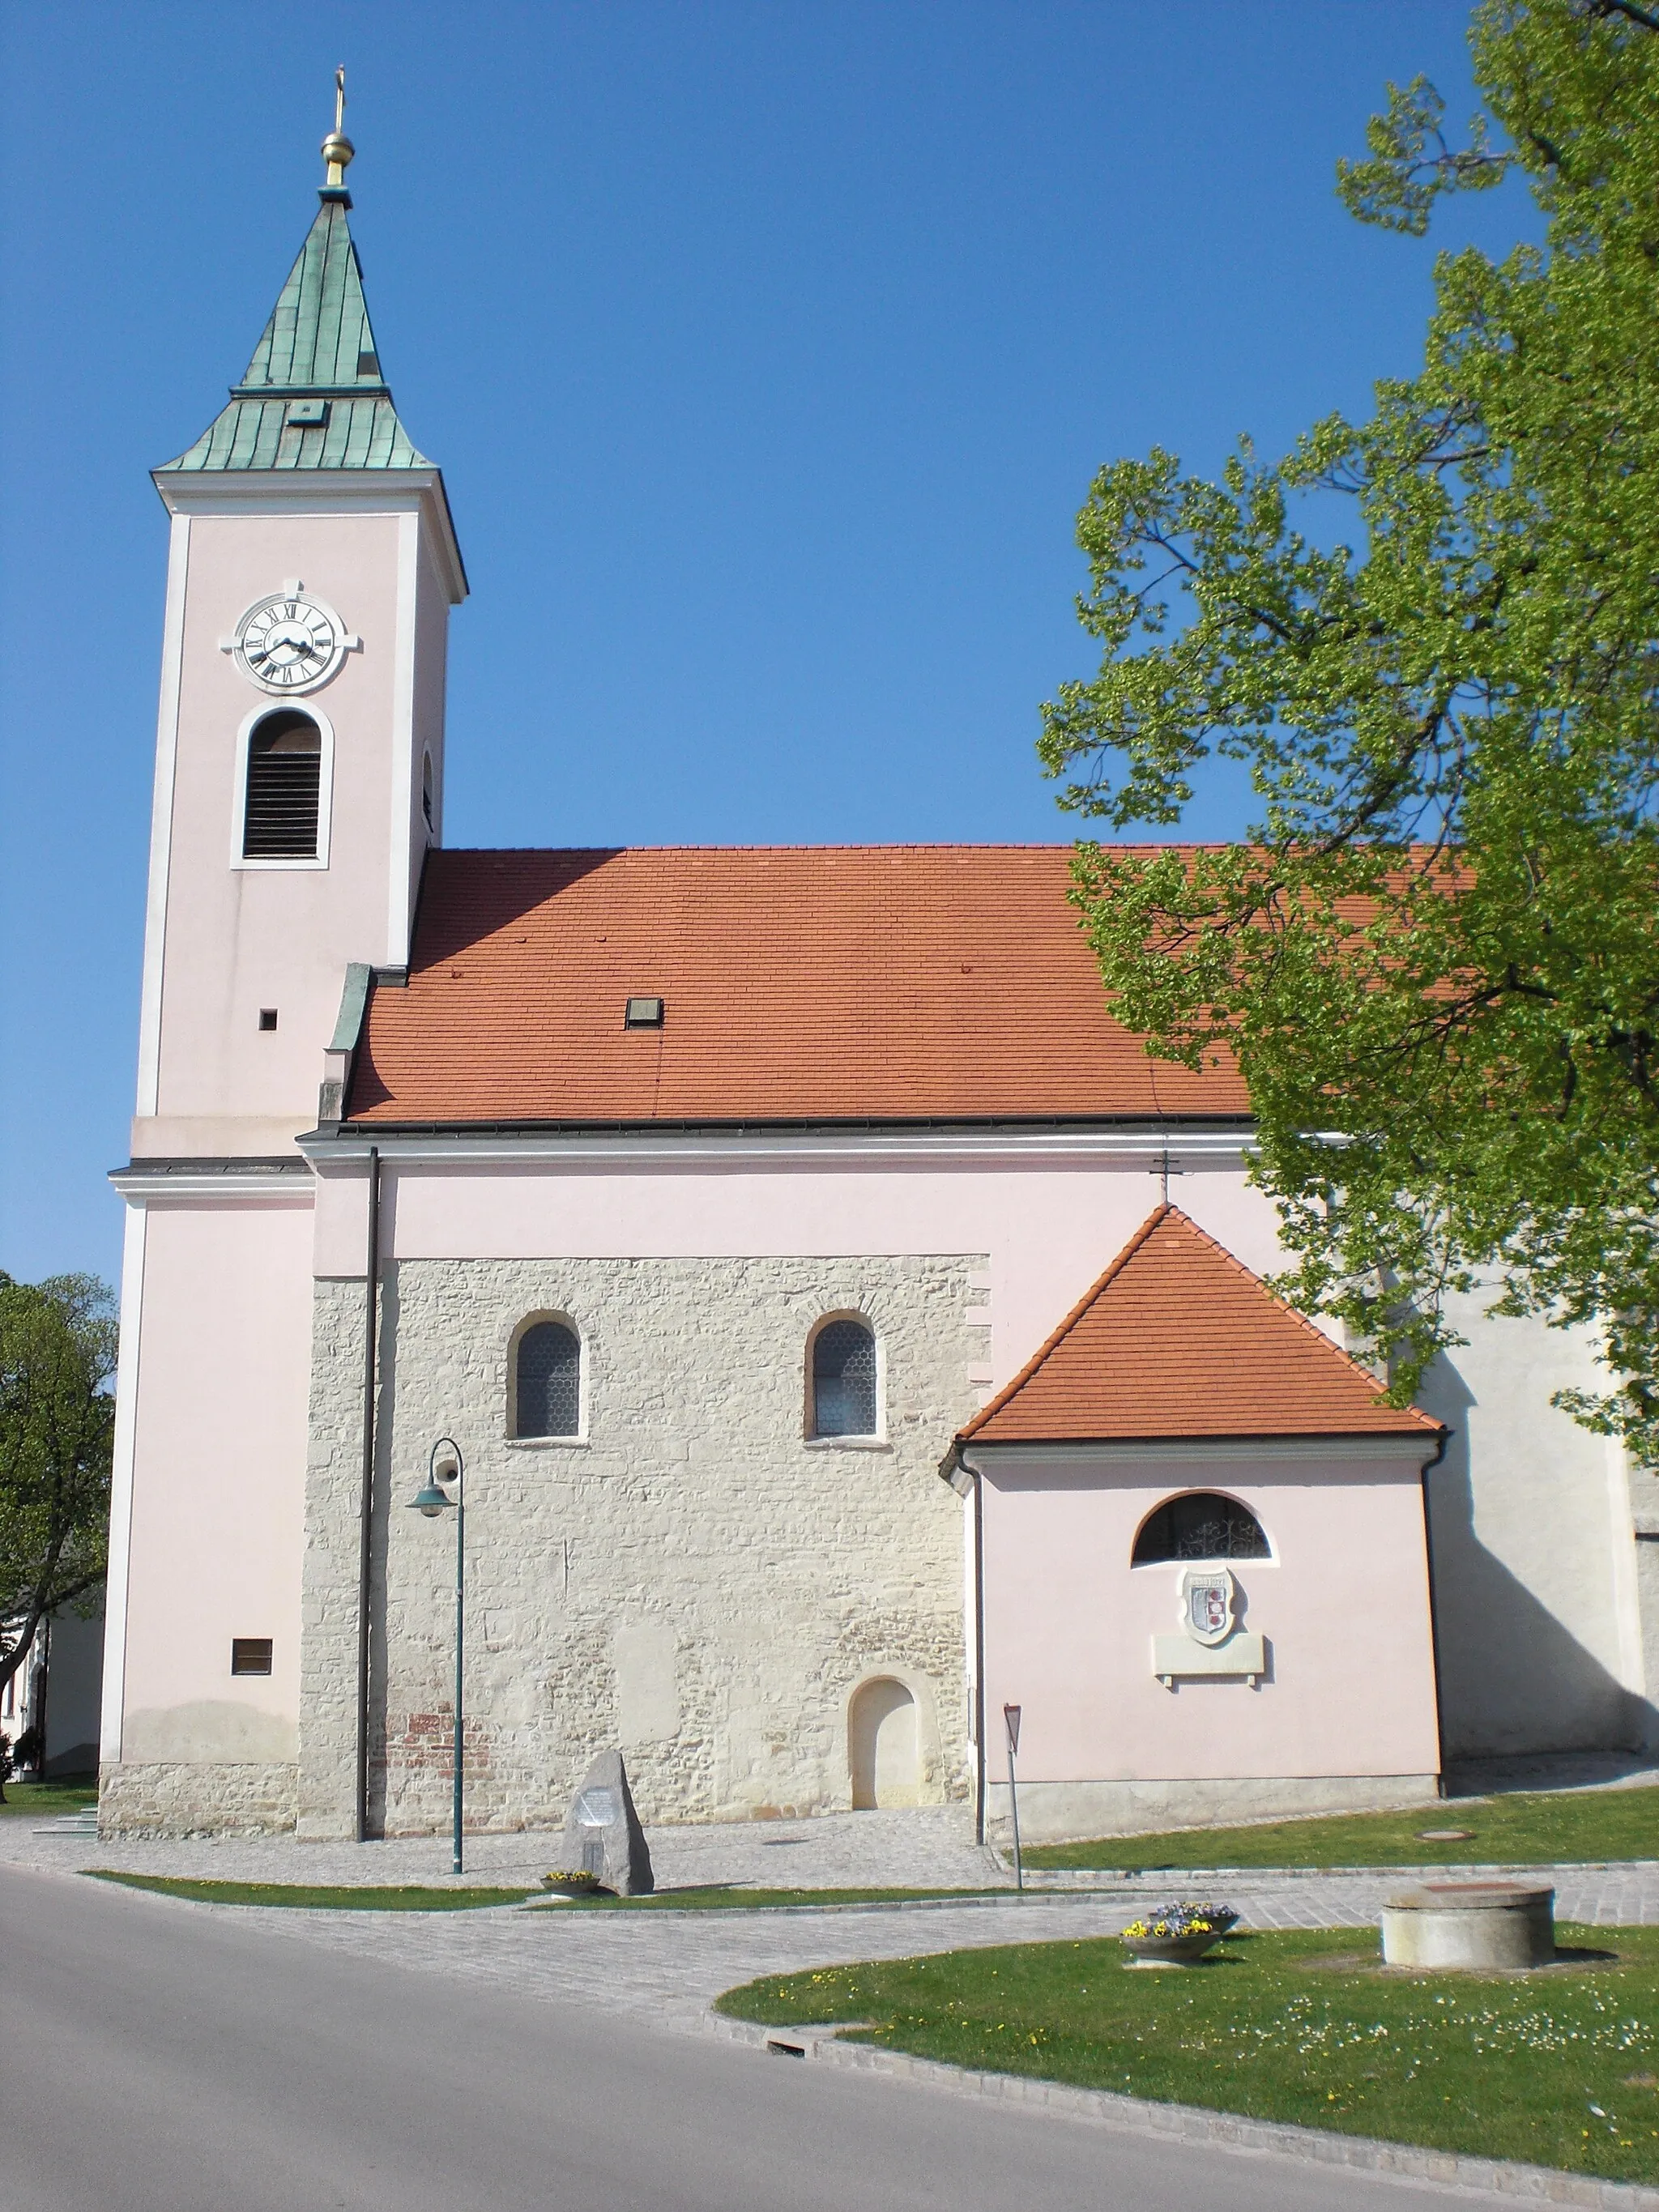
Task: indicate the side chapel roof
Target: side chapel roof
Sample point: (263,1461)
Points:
(801,985)
(1178,1339)
(312,395)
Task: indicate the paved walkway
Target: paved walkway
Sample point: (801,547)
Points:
(932,1848)
(669,1965)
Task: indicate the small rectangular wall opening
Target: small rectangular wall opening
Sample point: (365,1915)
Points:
(249,1655)
(267,1018)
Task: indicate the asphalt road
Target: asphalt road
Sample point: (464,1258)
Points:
(159,2059)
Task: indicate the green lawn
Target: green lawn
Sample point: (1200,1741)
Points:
(42,1799)
(1558,2069)
(1539,1828)
(727,1897)
(317,1897)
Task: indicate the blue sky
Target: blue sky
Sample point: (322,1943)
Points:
(767,352)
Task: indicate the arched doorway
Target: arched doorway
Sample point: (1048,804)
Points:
(882,1746)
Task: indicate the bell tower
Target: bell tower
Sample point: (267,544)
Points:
(300,758)
(299,782)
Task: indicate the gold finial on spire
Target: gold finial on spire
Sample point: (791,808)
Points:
(337,148)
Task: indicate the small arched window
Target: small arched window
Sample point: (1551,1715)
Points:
(284,788)
(547,1381)
(844,1380)
(1200,1525)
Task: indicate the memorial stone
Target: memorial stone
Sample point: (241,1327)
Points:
(602,1833)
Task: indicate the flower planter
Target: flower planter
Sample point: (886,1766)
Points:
(568,1888)
(1178,1936)
(1170,1950)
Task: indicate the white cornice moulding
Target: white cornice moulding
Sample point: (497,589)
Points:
(1406,1452)
(322,492)
(230,1186)
(1140,1150)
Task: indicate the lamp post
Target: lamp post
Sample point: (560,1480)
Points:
(443,1476)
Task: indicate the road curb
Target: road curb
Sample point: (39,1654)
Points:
(1056,1880)
(1498,2180)
(997,1898)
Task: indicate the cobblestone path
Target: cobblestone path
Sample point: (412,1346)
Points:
(667,1967)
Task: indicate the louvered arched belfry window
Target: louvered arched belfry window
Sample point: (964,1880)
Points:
(844,1380)
(548,1381)
(282,804)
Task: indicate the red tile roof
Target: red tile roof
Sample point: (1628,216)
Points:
(849,983)
(1180,1339)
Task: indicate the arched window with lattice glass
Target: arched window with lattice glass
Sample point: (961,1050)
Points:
(844,1380)
(548,1381)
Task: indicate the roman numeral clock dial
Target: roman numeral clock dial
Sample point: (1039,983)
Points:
(290,642)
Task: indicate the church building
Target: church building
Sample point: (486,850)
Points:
(846,1330)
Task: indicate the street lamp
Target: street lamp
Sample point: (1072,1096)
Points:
(445,1470)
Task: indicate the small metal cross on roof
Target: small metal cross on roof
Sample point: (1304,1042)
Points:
(337,148)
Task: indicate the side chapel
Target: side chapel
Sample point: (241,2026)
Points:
(785,1236)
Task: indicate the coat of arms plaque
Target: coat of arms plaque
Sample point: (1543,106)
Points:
(1206,1604)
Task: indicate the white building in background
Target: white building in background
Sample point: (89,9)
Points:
(741,1215)
(52,1701)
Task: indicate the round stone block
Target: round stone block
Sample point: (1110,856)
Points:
(1470,1923)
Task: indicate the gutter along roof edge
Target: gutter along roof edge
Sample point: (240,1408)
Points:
(989,1125)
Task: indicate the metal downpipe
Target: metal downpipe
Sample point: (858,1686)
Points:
(366,1525)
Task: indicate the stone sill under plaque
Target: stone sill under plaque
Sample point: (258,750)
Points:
(1176,1657)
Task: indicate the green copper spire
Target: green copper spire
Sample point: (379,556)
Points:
(314,397)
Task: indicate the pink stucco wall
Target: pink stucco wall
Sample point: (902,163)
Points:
(1343,1603)
(1047,1230)
(241,939)
(218,1498)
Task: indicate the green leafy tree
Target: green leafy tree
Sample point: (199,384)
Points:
(1436,959)
(58,1342)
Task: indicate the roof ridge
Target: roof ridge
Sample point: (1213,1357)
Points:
(1054,1339)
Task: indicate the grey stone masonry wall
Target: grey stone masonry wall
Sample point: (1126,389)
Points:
(693,1580)
(220,1797)
(329,1575)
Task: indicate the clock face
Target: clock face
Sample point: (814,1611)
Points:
(289,643)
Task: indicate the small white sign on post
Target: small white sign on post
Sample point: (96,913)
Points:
(1011,1722)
